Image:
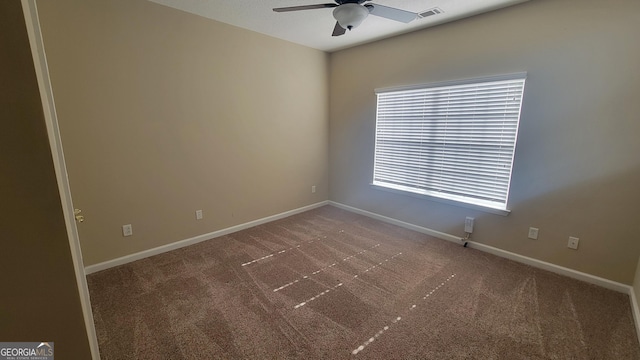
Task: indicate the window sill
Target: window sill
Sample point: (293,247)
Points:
(444,201)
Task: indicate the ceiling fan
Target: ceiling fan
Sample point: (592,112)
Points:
(350,13)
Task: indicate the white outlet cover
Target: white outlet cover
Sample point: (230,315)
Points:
(127,230)
(573,243)
(533,233)
(198,214)
(468,224)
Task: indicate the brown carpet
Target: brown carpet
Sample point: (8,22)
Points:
(330,284)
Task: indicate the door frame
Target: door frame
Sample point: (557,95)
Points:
(30,11)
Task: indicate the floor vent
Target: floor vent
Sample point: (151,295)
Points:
(430,12)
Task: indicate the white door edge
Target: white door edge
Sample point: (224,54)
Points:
(30,11)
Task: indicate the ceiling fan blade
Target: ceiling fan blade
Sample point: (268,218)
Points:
(391,13)
(305,7)
(338,30)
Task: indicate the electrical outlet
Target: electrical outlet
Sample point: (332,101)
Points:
(573,243)
(468,225)
(313,189)
(198,214)
(127,230)
(533,233)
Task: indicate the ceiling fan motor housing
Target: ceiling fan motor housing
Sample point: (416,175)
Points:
(350,15)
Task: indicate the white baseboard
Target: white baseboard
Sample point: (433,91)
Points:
(636,311)
(194,240)
(406,225)
(561,270)
(612,285)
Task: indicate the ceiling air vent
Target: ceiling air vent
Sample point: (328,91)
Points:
(430,12)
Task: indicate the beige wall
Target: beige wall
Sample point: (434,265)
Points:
(163,113)
(577,164)
(39,299)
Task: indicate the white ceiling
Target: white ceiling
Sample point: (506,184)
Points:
(313,28)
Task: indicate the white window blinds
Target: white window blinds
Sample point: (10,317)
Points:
(454,141)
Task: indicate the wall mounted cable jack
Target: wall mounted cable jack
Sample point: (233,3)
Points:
(466,238)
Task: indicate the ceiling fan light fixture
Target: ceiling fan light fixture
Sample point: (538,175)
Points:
(350,15)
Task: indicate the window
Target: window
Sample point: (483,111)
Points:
(452,140)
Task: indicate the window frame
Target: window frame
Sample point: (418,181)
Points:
(450,198)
